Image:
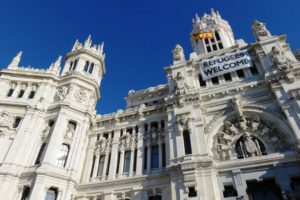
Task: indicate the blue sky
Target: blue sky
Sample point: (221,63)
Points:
(139,35)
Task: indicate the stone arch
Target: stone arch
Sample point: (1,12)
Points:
(266,120)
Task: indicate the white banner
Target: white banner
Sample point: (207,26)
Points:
(219,65)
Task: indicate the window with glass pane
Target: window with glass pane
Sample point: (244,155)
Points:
(91,68)
(127,161)
(86,66)
(51,194)
(62,155)
(154,157)
(101,166)
(41,154)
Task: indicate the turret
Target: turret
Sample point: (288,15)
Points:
(211,33)
(86,59)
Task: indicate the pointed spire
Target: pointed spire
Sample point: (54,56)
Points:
(213,14)
(75,45)
(15,61)
(88,42)
(55,67)
(218,14)
(197,17)
(57,62)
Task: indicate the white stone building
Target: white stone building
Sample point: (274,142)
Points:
(234,134)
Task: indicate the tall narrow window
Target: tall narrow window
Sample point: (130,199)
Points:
(21,93)
(41,154)
(202,82)
(127,161)
(164,155)
(145,127)
(17,122)
(86,66)
(101,166)
(31,95)
(93,164)
(187,142)
(254,70)
(134,161)
(26,193)
(91,68)
(145,157)
(51,194)
(118,163)
(162,124)
(71,65)
(217,36)
(10,92)
(154,157)
(75,64)
(63,155)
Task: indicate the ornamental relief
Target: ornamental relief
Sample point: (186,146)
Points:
(154,136)
(248,137)
(61,93)
(103,145)
(128,142)
(5,119)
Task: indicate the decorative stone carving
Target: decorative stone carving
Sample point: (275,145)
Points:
(80,95)
(55,67)
(154,136)
(247,138)
(41,104)
(103,145)
(128,142)
(15,62)
(5,119)
(280,59)
(61,93)
(237,107)
(69,132)
(183,122)
(46,131)
(260,31)
(178,53)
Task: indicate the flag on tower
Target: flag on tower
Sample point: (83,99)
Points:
(204,35)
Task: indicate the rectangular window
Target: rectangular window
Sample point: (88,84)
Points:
(192,192)
(134,161)
(108,165)
(51,194)
(154,157)
(208,49)
(26,192)
(10,92)
(164,155)
(41,154)
(254,71)
(91,68)
(229,191)
(118,163)
(206,41)
(145,157)
(17,122)
(31,95)
(21,93)
(215,80)
(101,166)
(240,73)
(187,142)
(127,161)
(227,77)
(214,47)
(63,155)
(202,82)
(220,45)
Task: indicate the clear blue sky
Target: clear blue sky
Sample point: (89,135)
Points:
(139,35)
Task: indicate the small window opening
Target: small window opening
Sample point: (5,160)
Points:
(215,80)
(192,192)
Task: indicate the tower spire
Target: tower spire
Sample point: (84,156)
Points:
(15,61)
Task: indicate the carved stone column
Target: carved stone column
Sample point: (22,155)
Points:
(140,152)
(240,184)
(131,161)
(105,165)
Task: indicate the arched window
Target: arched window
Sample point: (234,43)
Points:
(154,157)
(63,155)
(91,68)
(101,165)
(127,161)
(51,194)
(187,142)
(86,66)
(75,64)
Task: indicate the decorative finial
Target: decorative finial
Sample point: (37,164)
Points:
(15,61)
(88,42)
(75,45)
(55,67)
(178,54)
(197,17)
(260,31)
(213,12)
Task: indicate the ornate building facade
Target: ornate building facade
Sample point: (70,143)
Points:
(226,125)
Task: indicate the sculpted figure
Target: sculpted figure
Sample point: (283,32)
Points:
(178,54)
(46,130)
(181,86)
(5,118)
(280,59)
(260,31)
(61,93)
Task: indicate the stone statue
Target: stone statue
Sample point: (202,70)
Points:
(223,146)
(41,105)
(5,119)
(237,107)
(280,59)
(46,131)
(260,31)
(183,122)
(249,146)
(178,54)
(181,86)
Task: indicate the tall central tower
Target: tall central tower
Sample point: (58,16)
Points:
(211,33)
